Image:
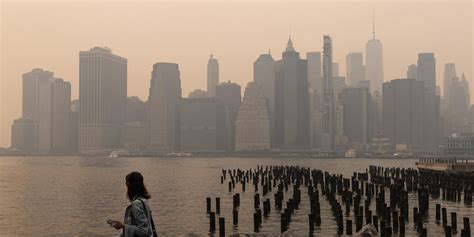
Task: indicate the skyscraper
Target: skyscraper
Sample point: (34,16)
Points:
(315,87)
(412,71)
(103,95)
(212,76)
(32,82)
(264,75)
(449,74)
(327,99)
(403,113)
(164,99)
(253,122)
(292,124)
(374,63)
(356,105)
(46,110)
(426,73)
(354,68)
(54,116)
(229,94)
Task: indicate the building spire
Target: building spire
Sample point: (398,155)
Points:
(289,46)
(373,25)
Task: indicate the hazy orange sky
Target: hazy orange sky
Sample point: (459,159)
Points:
(49,35)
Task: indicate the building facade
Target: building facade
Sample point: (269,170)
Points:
(374,64)
(253,122)
(355,71)
(328,126)
(426,73)
(449,74)
(23,135)
(163,102)
(403,113)
(356,104)
(203,125)
(103,95)
(264,75)
(229,94)
(32,82)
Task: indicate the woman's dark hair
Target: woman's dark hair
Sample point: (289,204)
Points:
(135,186)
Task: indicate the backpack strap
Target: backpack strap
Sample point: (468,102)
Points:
(153,229)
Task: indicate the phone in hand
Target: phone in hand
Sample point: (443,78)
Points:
(110,221)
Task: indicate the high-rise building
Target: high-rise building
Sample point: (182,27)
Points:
(32,81)
(315,87)
(412,71)
(54,116)
(403,114)
(212,76)
(103,96)
(253,122)
(229,94)
(163,101)
(264,75)
(356,104)
(374,63)
(449,74)
(292,118)
(354,68)
(457,113)
(426,73)
(46,109)
(203,125)
(327,99)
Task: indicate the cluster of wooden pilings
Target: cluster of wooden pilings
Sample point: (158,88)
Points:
(360,200)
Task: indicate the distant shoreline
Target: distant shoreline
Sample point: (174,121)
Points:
(227,155)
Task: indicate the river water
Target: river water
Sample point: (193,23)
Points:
(74,196)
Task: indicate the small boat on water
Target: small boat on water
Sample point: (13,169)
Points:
(446,165)
(118,153)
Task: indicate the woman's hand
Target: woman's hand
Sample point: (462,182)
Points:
(117,225)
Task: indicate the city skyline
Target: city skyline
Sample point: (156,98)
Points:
(231,60)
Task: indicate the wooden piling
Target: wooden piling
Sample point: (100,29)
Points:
(221,227)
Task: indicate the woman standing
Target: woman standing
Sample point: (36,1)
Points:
(138,221)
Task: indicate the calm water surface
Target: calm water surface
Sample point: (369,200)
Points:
(74,196)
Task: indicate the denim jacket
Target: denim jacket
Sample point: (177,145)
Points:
(137,219)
